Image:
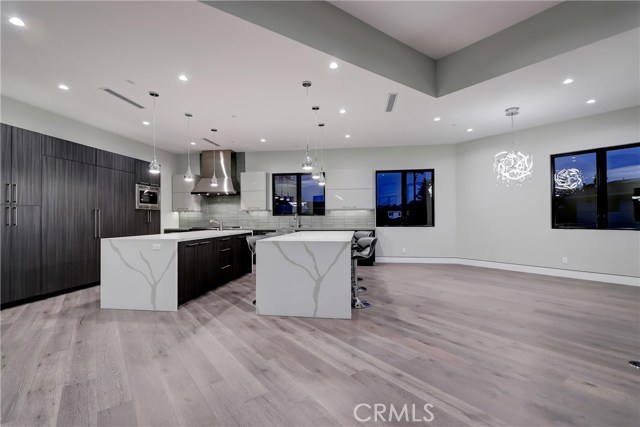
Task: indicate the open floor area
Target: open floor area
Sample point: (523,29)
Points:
(482,346)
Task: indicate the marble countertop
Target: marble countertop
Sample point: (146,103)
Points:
(312,236)
(186,236)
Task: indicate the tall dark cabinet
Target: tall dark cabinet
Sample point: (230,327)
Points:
(59,199)
(20,171)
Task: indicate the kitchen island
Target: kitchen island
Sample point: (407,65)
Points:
(306,274)
(158,272)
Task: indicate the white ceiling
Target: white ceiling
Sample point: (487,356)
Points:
(439,28)
(236,68)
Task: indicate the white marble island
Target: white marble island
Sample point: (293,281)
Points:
(306,274)
(141,272)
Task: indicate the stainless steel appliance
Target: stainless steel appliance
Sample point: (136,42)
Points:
(147,197)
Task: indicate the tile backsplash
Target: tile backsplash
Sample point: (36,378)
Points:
(227,210)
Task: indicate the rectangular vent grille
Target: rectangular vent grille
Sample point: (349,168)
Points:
(211,142)
(124,98)
(391,101)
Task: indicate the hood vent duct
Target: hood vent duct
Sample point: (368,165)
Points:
(224,170)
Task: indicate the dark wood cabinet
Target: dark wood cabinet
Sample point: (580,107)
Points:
(146,222)
(224,260)
(69,225)
(143,176)
(241,256)
(115,202)
(115,161)
(196,268)
(61,149)
(21,166)
(21,253)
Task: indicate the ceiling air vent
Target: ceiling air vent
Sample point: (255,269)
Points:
(123,98)
(391,101)
(211,142)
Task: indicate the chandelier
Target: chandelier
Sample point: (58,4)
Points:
(512,166)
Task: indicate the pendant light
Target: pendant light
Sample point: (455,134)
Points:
(188,176)
(307,164)
(154,166)
(214,179)
(315,172)
(512,167)
(321,178)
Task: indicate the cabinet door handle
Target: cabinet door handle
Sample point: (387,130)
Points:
(7,216)
(15,216)
(204,243)
(190,245)
(148,217)
(95,223)
(224,240)
(225,250)
(226,266)
(8,193)
(99,223)
(15,193)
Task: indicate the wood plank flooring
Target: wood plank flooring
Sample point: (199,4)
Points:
(485,347)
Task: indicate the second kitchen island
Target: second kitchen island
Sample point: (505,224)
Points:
(306,274)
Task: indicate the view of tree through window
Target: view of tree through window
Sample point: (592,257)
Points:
(404,198)
(597,188)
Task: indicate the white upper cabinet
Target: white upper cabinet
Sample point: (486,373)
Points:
(253,191)
(349,178)
(349,189)
(181,197)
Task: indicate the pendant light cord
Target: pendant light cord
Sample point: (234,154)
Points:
(154,127)
(307,102)
(188,144)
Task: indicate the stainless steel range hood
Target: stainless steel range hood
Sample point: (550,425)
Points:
(220,160)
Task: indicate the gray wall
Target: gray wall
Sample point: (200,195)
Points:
(27,116)
(513,225)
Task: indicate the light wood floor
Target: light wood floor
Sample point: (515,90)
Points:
(485,347)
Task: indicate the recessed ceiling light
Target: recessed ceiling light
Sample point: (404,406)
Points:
(63,86)
(567,81)
(342,111)
(470,130)
(182,77)
(347,136)
(16,21)
(193,143)
(146,123)
(591,101)
(263,140)
(436,119)
(333,65)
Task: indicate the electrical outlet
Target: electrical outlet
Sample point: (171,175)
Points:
(404,250)
(565,260)
(156,247)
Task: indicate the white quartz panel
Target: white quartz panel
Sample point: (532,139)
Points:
(139,274)
(183,237)
(304,277)
(313,236)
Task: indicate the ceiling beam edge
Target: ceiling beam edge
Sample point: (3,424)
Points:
(560,29)
(325,27)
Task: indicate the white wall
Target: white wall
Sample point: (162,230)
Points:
(513,225)
(26,116)
(438,241)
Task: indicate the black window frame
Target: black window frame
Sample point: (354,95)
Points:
(403,185)
(602,198)
(298,176)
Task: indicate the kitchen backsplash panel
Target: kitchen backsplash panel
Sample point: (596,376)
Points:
(227,210)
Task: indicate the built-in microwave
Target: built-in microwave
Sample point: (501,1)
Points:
(147,197)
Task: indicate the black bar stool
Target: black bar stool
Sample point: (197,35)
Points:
(365,248)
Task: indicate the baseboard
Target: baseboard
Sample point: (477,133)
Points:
(572,274)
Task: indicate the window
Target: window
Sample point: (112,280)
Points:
(404,198)
(597,188)
(296,193)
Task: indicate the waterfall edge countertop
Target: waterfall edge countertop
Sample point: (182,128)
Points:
(141,272)
(305,274)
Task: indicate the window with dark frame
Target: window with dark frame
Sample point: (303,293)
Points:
(404,198)
(596,189)
(296,193)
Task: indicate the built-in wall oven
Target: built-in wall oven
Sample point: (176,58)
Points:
(147,197)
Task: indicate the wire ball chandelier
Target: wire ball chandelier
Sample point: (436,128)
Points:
(512,167)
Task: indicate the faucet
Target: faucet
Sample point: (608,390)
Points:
(211,221)
(296,218)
